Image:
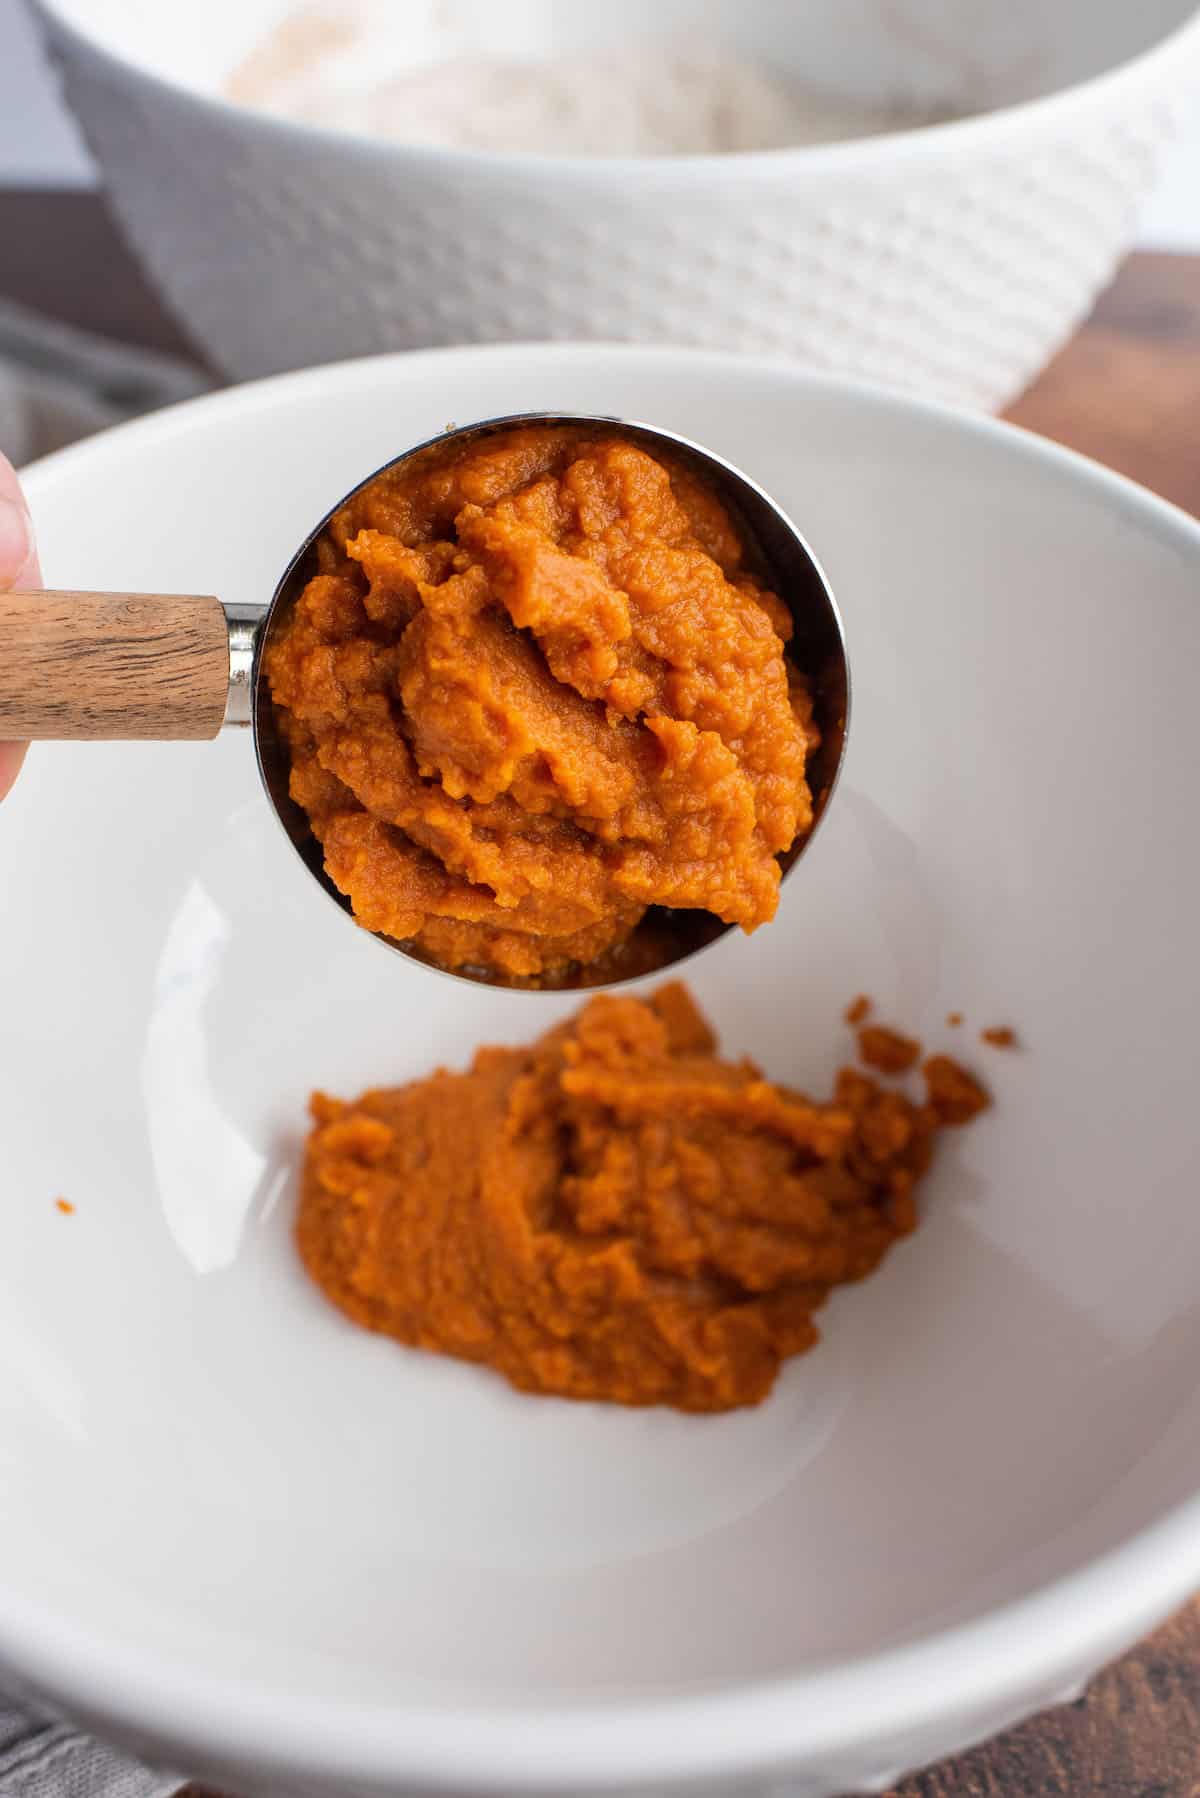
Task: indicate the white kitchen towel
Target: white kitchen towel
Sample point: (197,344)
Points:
(58,384)
(41,1758)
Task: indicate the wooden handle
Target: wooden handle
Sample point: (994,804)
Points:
(112,665)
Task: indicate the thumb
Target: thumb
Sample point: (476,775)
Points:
(11,757)
(18,554)
(18,567)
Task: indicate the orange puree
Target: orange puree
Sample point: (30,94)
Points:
(533,689)
(613,1213)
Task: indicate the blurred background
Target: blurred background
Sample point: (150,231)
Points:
(41,147)
(965,275)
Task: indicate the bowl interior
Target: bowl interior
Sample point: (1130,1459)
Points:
(204,1466)
(962,55)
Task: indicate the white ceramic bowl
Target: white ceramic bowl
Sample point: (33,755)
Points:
(951,261)
(271,1547)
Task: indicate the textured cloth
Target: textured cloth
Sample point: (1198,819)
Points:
(56,385)
(40,1758)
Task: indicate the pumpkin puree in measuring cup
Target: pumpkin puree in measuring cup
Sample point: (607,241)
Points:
(534,688)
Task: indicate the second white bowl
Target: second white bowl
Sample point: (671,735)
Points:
(950,260)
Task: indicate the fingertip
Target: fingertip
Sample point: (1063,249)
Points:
(11,757)
(18,552)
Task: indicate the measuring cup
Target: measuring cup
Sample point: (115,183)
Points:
(174,666)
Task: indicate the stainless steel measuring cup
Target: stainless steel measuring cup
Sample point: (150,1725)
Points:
(183,666)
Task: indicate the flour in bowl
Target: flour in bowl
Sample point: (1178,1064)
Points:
(339,66)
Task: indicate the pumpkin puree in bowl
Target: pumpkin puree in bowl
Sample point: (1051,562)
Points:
(535,688)
(614,1213)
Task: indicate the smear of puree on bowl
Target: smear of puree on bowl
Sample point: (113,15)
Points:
(534,688)
(613,1212)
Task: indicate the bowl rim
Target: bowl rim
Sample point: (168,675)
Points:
(1009,1657)
(846,155)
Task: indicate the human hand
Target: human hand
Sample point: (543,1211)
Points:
(18,568)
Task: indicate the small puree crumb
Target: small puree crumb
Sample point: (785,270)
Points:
(955,1096)
(887,1050)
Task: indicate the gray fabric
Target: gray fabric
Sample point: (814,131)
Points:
(41,1758)
(56,385)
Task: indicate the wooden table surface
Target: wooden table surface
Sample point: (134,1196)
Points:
(1126,390)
